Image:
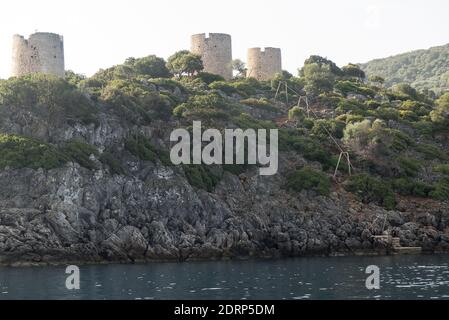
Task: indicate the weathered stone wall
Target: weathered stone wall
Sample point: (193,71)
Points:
(264,64)
(41,52)
(215,50)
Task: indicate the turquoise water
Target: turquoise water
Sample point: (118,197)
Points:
(401,277)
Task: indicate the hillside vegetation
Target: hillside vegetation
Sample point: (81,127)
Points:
(423,69)
(396,137)
(85,172)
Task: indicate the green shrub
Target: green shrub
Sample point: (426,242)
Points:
(194,85)
(408,115)
(347,86)
(108,159)
(353,72)
(373,139)
(372,104)
(441,189)
(74,78)
(351,106)
(136,102)
(80,152)
(124,71)
(387,113)
(200,176)
(418,108)
(184,63)
(23,152)
(209,78)
(151,66)
(442,168)
(236,169)
(405,90)
(371,189)
(262,103)
(170,84)
(169,99)
(308,123)
(141,147)
(431,152)
(440,115)
(49,96)
(350,118)
(164,157)
(309,179)
(207,115)
(410,187)
(245,121)
(205,106)
(343,166)
(296,113)
(223,86)
(400,141)
(359,133)
(424,127)
(311,149)
(394,96)
(329,99)
(408,166)
(321,128)
(247,86)
(318,78)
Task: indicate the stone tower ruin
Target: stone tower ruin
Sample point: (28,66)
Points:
(41,53)
(263,64)
(215,50)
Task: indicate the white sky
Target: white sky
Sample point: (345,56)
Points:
(98,34)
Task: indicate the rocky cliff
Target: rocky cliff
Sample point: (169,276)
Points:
(149,210)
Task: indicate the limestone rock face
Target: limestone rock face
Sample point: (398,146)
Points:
(70,214)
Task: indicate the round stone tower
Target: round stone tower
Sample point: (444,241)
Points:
(215,50)
(263,64)
(40,53)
